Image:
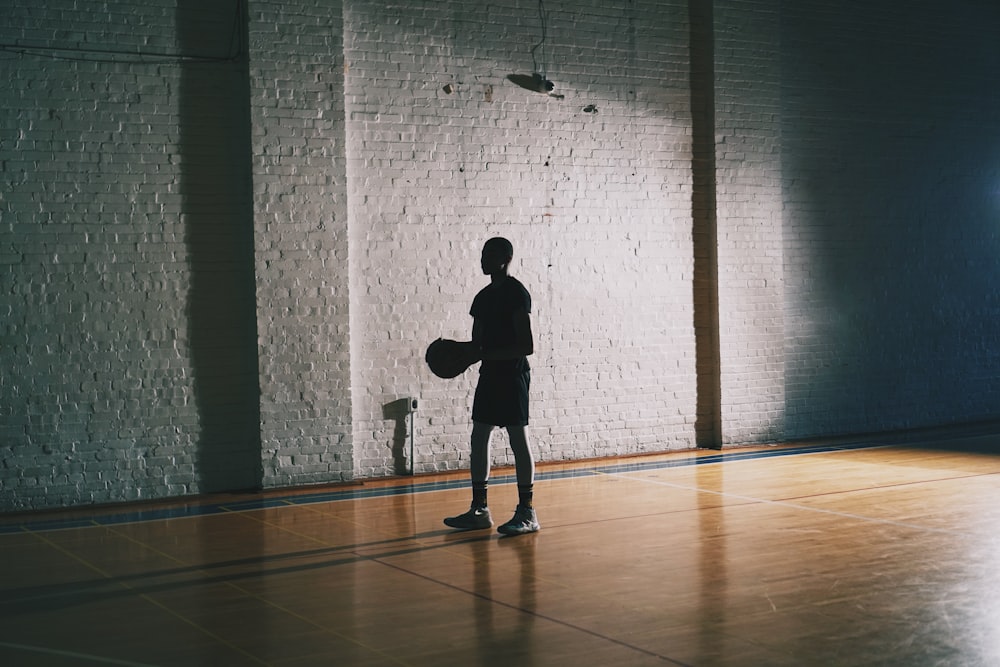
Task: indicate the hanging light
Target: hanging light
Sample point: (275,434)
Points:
(536,82)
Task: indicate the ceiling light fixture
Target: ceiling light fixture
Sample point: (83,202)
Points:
(536,82)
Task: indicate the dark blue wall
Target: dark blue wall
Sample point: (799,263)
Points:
(891,170)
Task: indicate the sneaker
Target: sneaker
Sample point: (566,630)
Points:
(475,519)
(523,521)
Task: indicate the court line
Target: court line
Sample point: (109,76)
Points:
(536,614)
(819,510)
(261,598)
(146,597)
(627,471)
(208,509)
(73,654)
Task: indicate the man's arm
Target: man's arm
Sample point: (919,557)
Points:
(524,341)
(523,346)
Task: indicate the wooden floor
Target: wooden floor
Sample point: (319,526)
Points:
(855,554)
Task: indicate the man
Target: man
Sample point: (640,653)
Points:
(502,341)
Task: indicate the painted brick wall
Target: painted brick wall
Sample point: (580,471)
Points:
(748,210)
(596,203)
(120,226)
(891,165)
(221,272)
(301,241)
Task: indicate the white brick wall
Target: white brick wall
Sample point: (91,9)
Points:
(220,274)
(108,393)
(748,205)
(596,204)
(301,231)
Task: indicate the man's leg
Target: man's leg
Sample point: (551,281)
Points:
(479,462)
(524,463)
(524,520)
(478,515)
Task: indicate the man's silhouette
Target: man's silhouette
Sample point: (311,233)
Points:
(502,341)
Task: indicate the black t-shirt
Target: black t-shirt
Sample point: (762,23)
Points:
(493,309)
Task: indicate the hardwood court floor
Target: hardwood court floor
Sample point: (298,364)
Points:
(857,554)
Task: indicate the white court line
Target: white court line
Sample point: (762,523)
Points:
(785,503)
(73,654)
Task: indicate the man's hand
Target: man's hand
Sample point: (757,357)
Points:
(471,352)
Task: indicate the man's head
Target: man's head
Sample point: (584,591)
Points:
(497,253)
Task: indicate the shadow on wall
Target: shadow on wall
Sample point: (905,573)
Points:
(399,411)
(704,232)
(215,184)
(889,163)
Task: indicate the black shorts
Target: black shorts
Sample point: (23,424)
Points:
(502,397)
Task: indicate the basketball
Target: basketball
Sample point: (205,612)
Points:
(446,359)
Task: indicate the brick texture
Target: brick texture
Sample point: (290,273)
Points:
(301,241)
(890,173)
(120,220)
(597,205)
(228,230)
(748,209)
